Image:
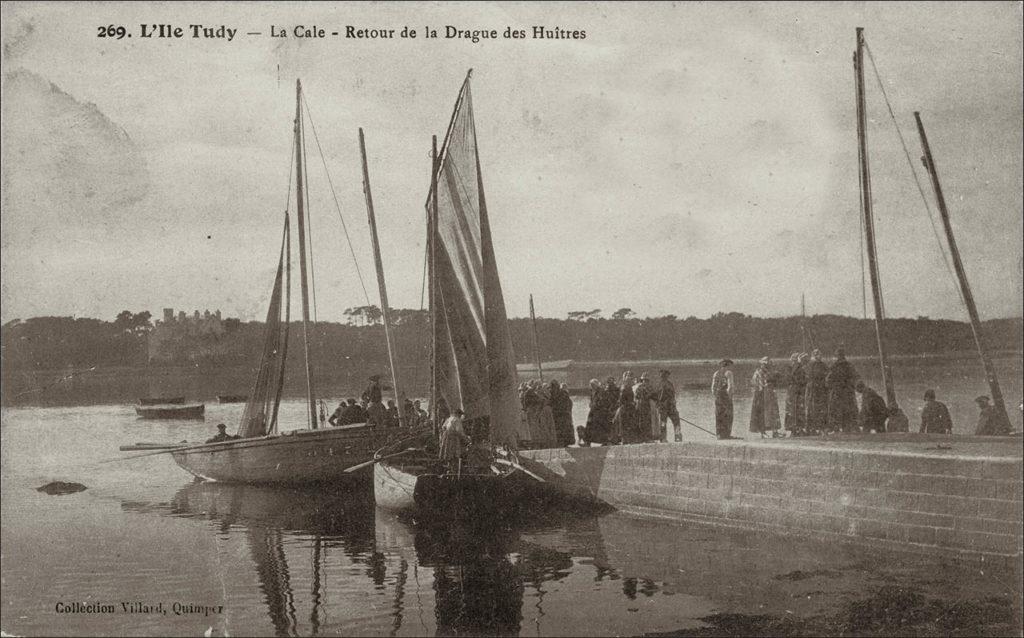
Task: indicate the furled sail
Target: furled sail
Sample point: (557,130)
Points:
(260,415)
(468,290)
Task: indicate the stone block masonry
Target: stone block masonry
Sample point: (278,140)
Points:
(941,499)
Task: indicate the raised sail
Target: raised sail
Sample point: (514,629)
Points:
(260,415)
(467,287)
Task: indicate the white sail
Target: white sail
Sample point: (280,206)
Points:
(468,288)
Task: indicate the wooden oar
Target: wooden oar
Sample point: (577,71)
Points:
(386,456)
(520,468)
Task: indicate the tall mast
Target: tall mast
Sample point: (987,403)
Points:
(380,269)
(961,275)
(869,223)
(536,348)
(803,324)
(301,214)
(432,247)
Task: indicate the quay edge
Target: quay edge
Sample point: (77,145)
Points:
(923,492)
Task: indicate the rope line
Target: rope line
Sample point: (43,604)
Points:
(337,205)
(913,170)
(309,229)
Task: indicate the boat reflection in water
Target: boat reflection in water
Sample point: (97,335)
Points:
(365,569)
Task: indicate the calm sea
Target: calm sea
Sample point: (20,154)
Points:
(188,558)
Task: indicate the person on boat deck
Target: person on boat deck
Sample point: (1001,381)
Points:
(842,406)
(817,394)
(222,435)
(372,394)
(873,410)
(391,418)
(337,417)
(988,420)
(419,414)
(443,411)
(935,416)
(795,389)
(764,406)
(454,440)
(721,390)
(408,414)
(665,395)
(375,415)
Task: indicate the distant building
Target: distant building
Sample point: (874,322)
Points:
(185,338)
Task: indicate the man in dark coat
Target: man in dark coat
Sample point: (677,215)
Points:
(561,410)
(373,393)
(596,430)
(935,416)
(842,407)
(795,389)
(989,424)
(817,394)
(665,396)
(873,410)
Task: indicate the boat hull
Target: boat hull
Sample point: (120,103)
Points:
(301,457)
(162,401)
(421,492)
(171,411)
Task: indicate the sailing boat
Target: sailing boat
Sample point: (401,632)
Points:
(473,361)
(261,453)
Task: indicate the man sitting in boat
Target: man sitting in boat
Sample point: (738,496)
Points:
(453,439)
(222,435)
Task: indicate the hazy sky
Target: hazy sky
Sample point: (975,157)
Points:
(682,159)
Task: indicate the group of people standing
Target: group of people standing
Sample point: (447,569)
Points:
(371,410)
(547,412)
(633,411)
(820,398)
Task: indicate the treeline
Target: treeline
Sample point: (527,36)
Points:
(46,343)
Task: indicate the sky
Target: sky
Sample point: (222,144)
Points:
(682,159)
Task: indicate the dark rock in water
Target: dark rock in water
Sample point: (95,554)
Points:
(57,488)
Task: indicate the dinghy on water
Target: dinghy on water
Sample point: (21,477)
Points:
(473,362)
(232,398)
(162,401)
(171,411)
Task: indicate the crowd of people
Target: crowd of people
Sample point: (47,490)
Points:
(820,398)
(631,411)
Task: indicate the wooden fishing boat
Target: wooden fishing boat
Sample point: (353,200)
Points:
(263,452)
(232,398)
(472,359)
(172,411)
(162,401)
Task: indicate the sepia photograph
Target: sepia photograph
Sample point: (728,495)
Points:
(512,318)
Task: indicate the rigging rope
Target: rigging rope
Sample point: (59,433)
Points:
(337,206)
(913,171)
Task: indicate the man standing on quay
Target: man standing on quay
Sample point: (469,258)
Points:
(666,398)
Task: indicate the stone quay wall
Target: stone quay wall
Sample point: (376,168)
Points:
(933,501)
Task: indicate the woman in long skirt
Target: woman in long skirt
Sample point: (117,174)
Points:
(764,408)
(721,390)
(817,394)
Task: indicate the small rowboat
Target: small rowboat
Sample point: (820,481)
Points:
(195,411)
(162,401)
(232,398)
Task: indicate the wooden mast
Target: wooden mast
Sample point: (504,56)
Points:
(301,215)
(961,275)
(380,271)
(536,348)
(432,248)
(869,231)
